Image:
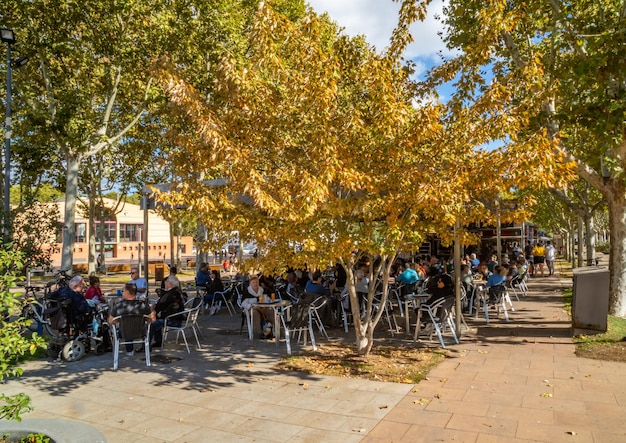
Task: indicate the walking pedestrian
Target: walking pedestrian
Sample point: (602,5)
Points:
(550,257)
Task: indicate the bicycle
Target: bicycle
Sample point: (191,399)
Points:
(34,308)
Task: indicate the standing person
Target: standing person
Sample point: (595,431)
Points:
(539,257)
(139,282)
(129,305)
(550,257)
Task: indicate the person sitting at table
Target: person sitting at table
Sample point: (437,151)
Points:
(483,272)
(251,298)
(315,285)
(173,271)
(94,292)
(294,290)
(213,286)
(140,282)
(408,278)
(493,262)
(498,277)
(202,276)
(466,278)
(129,305)
(474,261)
(171,302)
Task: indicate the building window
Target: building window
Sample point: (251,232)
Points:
(80,232)
(109,231)
(130,232)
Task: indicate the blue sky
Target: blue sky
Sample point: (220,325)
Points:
(376,19)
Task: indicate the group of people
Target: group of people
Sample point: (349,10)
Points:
(133,302)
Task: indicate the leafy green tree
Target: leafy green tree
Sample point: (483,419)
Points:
(321,154)
(547,77)
(13,345)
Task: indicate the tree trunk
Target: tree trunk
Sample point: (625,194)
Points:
(71,189)
(590,241)
(364,327)
(91,262)
(573,243)
(581,242)
(616,200)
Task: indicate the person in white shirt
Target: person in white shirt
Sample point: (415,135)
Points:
(550,257)
(141,283)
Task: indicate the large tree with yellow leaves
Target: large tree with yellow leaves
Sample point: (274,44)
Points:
(548,76)
(324,154)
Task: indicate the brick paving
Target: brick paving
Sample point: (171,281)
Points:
(505,382)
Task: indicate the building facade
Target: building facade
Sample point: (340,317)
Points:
(123,236)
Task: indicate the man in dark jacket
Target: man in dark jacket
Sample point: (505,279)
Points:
(171,302)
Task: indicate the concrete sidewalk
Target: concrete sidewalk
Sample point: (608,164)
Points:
(494,387)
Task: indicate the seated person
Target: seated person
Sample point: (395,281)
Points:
(408,278)
(474,261)
(202,276)
(129,305)
(139,282)
(294,290)
(78,308)
(171,302)
(94,292)
(498,277)
(315,285)
(440,286)
(466,278)
(483,272)
(215,285)
(253,296)
(173,271)
(493,262)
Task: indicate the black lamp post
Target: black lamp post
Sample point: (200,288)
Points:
(7,36)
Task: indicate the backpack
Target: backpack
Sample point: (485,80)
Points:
(57,317)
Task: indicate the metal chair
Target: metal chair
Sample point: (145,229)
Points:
(131,329)
(498,297)
(189,321)
(439,315)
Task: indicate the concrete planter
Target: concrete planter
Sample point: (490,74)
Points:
(58,431)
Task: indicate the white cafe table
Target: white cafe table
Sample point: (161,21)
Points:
(416,301)
(279,319)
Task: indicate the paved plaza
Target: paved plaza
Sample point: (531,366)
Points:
(505,382)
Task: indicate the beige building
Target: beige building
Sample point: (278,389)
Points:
(123,235)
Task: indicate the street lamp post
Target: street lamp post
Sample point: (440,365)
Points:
(8,36)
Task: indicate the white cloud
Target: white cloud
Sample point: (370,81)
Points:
(376,20)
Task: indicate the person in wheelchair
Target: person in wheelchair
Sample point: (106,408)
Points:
(80,314)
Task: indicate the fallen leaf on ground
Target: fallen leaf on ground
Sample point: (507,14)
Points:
(250,364)
(383,407)
(207,390)
(546,395)
(415,390)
